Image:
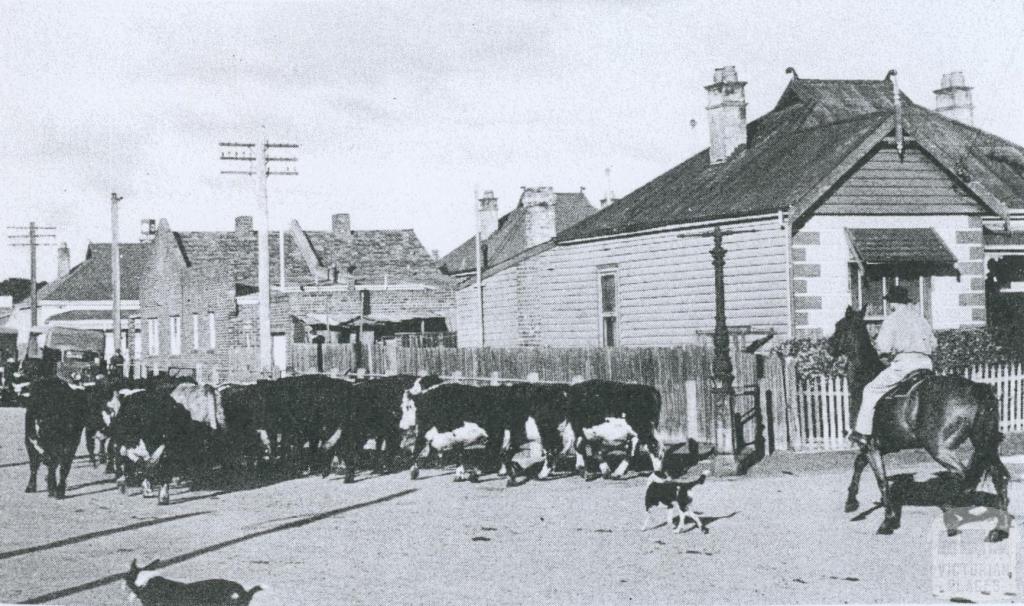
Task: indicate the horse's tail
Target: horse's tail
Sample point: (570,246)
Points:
(985,434)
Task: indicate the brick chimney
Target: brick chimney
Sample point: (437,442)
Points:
(727,114)
(539,203)
(243,226)
(953,100)
(63,260)
(341,226)
(487,214)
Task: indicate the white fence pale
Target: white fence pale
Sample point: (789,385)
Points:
(822,405)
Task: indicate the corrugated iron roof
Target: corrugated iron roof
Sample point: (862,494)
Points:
(894,246)
(794,148)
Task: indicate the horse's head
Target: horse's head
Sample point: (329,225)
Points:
(847,334)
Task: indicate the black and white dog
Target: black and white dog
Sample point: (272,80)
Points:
(153,590)
(673,495)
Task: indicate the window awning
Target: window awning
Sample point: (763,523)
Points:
(900,247)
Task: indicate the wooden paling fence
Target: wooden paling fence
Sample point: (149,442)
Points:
(821,406)
(683,375)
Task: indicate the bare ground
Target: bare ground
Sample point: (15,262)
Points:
(778,538)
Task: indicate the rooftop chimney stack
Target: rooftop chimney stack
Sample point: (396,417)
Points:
(539,203)
(243,226)
(63,260)
(341,226)
(487,215)
(953,100)
(727,114)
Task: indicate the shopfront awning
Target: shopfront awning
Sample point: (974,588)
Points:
(900,247)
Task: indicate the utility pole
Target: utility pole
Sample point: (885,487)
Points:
(479,267)
(259,166)
(32,239)
(115,273)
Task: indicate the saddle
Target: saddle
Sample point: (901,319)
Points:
(906,388)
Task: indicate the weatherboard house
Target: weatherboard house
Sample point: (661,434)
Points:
(832,197)
(199,300)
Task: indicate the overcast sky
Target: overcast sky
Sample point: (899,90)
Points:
(404,109)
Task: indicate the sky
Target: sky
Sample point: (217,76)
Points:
(403,110)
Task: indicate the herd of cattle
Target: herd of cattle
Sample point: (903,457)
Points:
(155,429)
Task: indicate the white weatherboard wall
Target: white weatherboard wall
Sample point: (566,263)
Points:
(665,286)
(500,312)
(954,299)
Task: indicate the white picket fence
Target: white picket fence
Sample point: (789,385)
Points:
(821,405)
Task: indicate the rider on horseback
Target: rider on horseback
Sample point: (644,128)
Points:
(908,338)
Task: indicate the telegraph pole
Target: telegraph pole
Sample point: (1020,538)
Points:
(32,239)
(115,272)
(260,167)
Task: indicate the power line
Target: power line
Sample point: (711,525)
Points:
(32,240)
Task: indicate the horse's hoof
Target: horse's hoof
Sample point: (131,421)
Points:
(995,535)
(952,532)
(30,488)
(851,506)
(888,527)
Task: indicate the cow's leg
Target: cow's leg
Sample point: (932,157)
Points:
(165,494)
(859,463)
(90,445)
(112,460)
(623,466)
(419,444)
(51,476)
(64,468)
(34,459)
(147,487)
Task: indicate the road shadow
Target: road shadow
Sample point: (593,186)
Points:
(707,521)
(95,535)
(89,492)
(60,594)
(937,491)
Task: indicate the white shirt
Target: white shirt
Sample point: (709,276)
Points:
(905,331)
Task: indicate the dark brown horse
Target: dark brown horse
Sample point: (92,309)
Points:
(945,413)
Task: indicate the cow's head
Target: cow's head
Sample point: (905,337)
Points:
(419,386)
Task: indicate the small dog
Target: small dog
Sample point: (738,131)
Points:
(153,590)
(673,495)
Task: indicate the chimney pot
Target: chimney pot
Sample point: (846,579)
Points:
(243,226)
(341,226)
(63,260)
(487,214)
(727,114)
(954,99)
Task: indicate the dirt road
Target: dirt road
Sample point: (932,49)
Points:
(391,540)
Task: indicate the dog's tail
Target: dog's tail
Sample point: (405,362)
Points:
(703,476)
(252,592)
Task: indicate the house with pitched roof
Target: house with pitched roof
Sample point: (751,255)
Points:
(505,241)
(199,299)
(843,190)
(80,297)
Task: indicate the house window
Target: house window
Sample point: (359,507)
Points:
(153,336)
(175,335)
(867,290)
(608,310)
(195,332)
(211,327)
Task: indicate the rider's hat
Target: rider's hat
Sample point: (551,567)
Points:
(897,294)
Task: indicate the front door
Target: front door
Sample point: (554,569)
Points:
(280,352)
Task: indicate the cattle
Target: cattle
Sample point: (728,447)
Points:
(593,403)
(157,433)
(202,403)
(252,430)
(54,419)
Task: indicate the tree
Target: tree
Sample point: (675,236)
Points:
(18,288)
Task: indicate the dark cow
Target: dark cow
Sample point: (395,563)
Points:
(54,419)
(311,410)
(547,407)
(252,430)
(596,403)
(451,416)
(157,433)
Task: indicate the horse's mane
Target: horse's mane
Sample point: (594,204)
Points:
(864,362)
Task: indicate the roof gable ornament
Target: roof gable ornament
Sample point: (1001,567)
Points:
(792,71)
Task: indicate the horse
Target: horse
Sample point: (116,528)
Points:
(941,416)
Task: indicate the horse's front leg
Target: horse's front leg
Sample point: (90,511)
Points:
(859,463)
(892,520)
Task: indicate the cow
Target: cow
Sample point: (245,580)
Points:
(534,413)
(202,403)
(252,430)
(376,413)
(157,433)
(310,409)
(594,403)
(54,420)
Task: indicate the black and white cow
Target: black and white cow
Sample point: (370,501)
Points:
(54,418)
(606,414)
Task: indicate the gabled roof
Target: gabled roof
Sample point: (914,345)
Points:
(369,257)
(510,238)
(90,280)
(814,135)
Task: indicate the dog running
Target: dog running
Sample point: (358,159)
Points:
(675,496)
(153,590)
